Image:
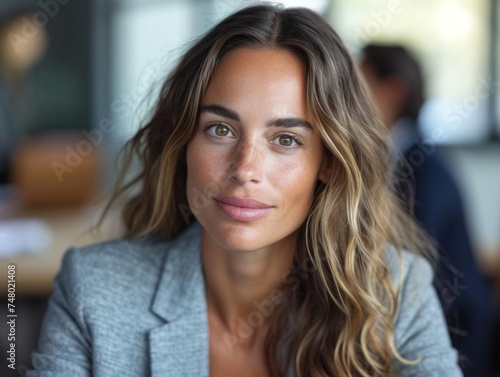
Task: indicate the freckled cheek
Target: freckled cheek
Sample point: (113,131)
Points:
(295,182)
(204,166)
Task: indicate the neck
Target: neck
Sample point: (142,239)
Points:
(238,284)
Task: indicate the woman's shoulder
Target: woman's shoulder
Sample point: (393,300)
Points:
(407,268)
(120,263)
(420,330)
(117,255)
(412,275)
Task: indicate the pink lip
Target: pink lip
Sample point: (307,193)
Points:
(242,209)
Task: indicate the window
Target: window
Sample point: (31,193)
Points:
(451,39)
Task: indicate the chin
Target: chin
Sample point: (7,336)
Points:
(242,237)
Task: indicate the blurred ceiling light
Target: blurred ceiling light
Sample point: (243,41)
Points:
(22,43)
(223,7)
(453,21)
(319,6)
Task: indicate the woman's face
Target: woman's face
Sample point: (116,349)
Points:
(256,157)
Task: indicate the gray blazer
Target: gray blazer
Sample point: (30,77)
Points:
(137,308)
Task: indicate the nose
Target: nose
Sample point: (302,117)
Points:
(246,163)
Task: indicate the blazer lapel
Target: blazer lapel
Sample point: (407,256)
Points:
(180,347)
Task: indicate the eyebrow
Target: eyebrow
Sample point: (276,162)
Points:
(288,122)
(220,110)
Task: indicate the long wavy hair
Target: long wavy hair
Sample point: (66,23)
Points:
(340,321)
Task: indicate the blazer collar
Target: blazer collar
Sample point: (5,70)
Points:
(181,285)
(180,347)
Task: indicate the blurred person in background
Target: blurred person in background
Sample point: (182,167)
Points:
(22,45)
(429,192)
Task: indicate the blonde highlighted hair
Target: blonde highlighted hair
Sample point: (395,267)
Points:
(346,327)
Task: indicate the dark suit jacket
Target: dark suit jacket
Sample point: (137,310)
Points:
(464,292)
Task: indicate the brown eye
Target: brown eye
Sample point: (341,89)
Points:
(221,130)
(287,141)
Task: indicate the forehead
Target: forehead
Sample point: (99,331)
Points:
(270,58)
(259,77)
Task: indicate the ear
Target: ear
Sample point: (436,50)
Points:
(325,170)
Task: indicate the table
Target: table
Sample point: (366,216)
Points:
(69,227)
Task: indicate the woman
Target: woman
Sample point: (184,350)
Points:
(258,238)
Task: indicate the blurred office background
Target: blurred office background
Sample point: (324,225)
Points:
(78,77)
